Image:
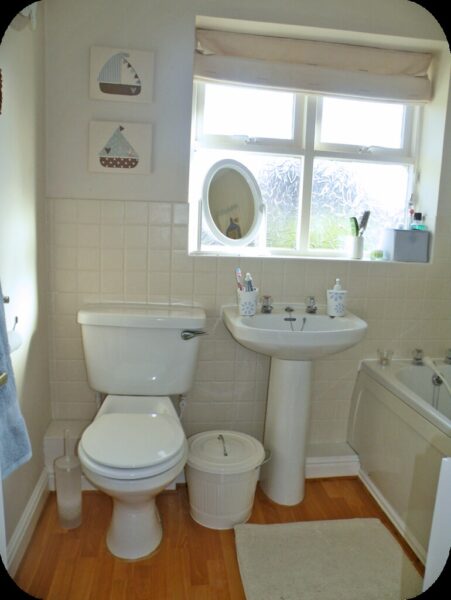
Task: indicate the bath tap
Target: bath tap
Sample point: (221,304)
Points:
(311,305)
(417,356)
(431,364)
(447,358)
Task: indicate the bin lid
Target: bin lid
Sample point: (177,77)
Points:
(224,452)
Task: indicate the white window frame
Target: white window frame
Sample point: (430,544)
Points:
(304,144)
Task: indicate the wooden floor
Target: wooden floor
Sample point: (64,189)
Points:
(192,562)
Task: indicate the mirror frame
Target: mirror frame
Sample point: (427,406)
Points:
(256,196)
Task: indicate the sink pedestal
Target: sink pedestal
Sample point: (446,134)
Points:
(287,419)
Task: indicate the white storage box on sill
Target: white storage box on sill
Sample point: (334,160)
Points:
(222,473)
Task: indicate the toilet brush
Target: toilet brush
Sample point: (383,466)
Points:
(68,486)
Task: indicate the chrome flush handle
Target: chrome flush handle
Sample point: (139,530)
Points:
(189,334)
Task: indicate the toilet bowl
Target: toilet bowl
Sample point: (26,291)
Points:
(138,355)
(132,456)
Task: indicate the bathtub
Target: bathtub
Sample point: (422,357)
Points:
(400,426)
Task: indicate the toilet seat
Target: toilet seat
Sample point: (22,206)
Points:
(132,446)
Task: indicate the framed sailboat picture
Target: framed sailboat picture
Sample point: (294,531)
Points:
(123,75)
(119,147)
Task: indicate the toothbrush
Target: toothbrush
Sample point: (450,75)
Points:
(249,285)
(364,222)
(238,278)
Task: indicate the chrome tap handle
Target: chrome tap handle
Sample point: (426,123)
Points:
(310,303)
(267,306)
(417,356)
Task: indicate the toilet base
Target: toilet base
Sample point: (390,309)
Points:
(135,530)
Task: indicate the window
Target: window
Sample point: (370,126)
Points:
(318,161)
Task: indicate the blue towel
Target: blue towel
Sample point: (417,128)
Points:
(15,447)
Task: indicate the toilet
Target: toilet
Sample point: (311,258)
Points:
(137,355)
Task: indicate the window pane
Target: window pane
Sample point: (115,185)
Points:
(252,112)
(362,123)
(344,189)
(280,183)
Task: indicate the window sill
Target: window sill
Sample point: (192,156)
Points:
(234,253)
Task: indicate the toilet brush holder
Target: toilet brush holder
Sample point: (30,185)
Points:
(68,487)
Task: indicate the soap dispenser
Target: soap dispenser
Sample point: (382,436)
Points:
(336,300)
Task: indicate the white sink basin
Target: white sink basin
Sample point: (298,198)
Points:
(303,337)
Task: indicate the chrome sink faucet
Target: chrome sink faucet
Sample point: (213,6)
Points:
(417,356)
(310,305)
(267,304)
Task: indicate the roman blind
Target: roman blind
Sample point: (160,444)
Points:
(313,66)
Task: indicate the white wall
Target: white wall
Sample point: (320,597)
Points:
(23,264)
(124,237)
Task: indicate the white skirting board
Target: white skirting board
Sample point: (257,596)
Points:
(20,539)
(331,460)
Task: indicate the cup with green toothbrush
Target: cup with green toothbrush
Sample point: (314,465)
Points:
(356,239)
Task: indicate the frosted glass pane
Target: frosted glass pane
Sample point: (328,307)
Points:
(344,189)
(279,179)
(232,110)
(362,123)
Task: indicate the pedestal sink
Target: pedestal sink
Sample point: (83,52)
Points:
(292,338)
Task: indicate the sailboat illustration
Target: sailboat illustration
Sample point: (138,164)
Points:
(118,76)
(118,153)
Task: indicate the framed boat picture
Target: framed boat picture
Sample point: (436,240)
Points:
(121,75)
(120,148)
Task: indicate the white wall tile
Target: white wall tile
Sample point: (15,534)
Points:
(135,236)
(112,236)
(112,211)
(88,258)
(181,212)
(88,211)
(136,213)
(88,235)
(160,213)
(159,237)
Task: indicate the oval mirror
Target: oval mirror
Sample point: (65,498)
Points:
(231,203)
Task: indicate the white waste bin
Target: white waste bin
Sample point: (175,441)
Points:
(222,473)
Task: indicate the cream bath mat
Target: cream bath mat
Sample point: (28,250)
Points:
(349,559)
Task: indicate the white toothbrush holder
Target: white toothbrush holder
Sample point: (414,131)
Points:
(355,248)
(336,303)
(247,302)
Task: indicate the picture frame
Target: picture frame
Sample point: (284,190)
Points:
(119,147)
(121,75)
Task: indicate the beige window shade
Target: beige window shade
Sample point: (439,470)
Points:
(310,66)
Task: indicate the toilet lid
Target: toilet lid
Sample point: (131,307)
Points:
(131,441)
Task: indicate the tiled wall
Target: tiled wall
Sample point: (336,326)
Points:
(136,251)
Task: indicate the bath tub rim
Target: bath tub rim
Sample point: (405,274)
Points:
(386,376)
